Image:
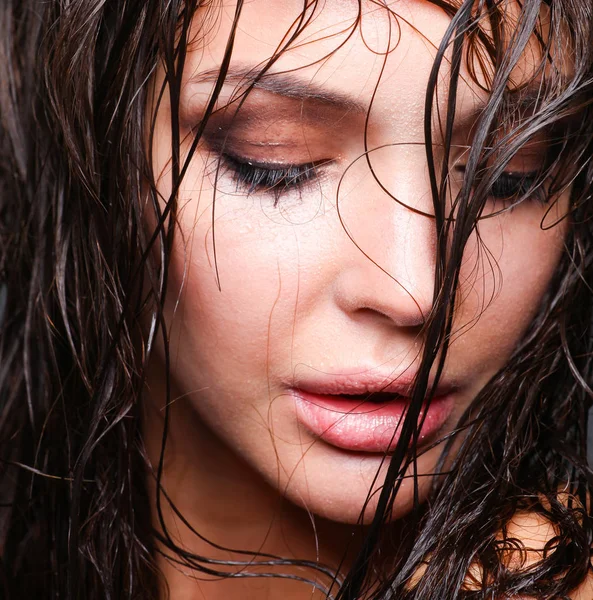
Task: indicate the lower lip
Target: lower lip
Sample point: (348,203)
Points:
(365,426)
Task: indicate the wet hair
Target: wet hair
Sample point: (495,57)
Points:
(78,270)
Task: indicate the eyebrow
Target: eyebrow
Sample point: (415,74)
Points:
(283,83)
(526,102)
(291,84)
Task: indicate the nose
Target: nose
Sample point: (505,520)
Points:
(388,265)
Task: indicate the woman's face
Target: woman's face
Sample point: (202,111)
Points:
(305,284)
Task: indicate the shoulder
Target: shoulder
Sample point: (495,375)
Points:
(585,590)
(532,536)
(536,534)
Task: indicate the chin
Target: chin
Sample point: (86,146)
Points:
(334,484)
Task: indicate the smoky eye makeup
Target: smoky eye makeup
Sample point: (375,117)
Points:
(273,144)
(514,186)
(276,179)
(524,178)
(275,157)
(511,185)
(269,170)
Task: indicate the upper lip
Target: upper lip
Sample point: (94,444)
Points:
(367,382)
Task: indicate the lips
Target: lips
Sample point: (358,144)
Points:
(365,414)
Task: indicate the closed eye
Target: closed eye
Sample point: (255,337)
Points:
(276,178)
(509,185)
(512,186)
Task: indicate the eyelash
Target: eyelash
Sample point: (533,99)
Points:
(261,177)
(270,178)
(514,186)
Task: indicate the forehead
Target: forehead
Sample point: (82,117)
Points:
(346,49)
(337,45)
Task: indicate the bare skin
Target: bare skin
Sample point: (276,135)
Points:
(297,298)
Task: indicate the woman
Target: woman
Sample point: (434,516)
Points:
(296,299)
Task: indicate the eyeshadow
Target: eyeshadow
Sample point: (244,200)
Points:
(279,130)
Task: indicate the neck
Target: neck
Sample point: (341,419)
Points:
(230,514)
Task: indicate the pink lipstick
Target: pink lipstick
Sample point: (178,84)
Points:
(365,413)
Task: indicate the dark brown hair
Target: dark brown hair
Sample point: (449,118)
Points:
(76,183)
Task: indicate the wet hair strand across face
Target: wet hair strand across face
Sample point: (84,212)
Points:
(79,272)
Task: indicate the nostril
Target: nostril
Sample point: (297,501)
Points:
(368,295)
(409,319)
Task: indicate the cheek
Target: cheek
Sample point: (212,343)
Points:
(503,280)
(239,276)
(225,305)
